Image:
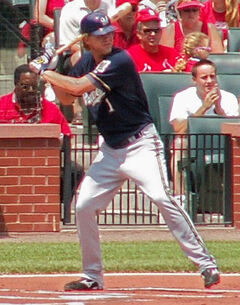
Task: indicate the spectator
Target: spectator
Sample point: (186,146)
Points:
(44,12)
(125,34)
(222,13)
(195,47)
(173,35)
(148,55)
(41,25)
(26,105)
(205,98)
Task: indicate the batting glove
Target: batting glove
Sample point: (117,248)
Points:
(47,61)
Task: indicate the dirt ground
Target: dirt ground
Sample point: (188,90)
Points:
(121,234)
(120,289)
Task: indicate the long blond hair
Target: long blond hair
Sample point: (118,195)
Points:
(191,41)
(232,13)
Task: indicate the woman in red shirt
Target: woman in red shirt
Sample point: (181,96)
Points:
(44,12)
(173,35)
(43,15)
(222,13)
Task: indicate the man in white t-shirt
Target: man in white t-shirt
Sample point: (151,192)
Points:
(205,98)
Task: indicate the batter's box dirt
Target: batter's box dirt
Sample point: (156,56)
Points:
(120,289)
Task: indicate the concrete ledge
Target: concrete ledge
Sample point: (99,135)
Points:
(12,131)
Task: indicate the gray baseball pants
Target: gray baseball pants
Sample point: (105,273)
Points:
(143,162)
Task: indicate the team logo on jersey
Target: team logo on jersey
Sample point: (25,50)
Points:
(93,98)
(102,66)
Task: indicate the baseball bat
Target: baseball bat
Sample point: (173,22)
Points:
(117,13)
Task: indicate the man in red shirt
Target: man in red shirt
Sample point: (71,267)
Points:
(148,55)
(26,104)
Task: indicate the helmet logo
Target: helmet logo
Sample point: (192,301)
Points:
(104,20)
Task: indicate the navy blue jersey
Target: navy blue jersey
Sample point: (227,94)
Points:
(118,104)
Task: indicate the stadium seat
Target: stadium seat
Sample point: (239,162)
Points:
(230,82)
(165,83)
(233,43)
(160,88)
(165,103)
(209,153)
(227,63)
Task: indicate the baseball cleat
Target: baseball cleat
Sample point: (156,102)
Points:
(82,284)
(211,277)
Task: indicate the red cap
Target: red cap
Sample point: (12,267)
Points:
(147,14)
(188,3)
(132,2)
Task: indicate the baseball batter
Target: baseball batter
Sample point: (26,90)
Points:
(107,79)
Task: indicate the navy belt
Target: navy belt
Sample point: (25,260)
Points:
(127,141)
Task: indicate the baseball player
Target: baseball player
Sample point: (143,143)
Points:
(107,80)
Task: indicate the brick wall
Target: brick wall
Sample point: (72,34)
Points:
(29,178)
(234,131)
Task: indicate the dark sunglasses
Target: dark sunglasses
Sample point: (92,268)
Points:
(149,31)
(28,87)
(189,10)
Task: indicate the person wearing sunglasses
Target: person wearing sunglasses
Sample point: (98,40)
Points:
(196,47)
(148,55)
(125,34)
(173,35)
(27,103)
